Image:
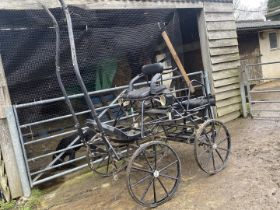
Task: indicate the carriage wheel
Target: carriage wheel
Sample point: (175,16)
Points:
(100,160)
(212,146)
(153,181)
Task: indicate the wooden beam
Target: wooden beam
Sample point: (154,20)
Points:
(229,109)
(230,116)
(227,88)
(224,58)
(223,43)
(214,17)
(226,66)
(221,26)
(224,50)
(218,75)
(228,101)
(8,155)
(206,58)
(225,82)
(218,7)
(214,35)
(228,94)
(99,4)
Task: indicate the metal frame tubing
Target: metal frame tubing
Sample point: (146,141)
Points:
(249,81)
(80,79)
(57,67)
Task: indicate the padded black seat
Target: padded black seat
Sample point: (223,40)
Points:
(116,134)
(152,69)
(138,93)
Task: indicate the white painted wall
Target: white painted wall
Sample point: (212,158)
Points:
(269,55)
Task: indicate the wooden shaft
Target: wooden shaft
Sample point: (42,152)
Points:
(177,60)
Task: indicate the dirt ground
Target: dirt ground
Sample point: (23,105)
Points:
(250,181)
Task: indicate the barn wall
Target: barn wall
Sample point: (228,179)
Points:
(249,50)
(221,57)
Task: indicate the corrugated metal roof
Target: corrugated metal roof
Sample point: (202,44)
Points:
(257,25)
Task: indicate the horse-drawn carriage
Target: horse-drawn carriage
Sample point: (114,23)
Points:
(155,115)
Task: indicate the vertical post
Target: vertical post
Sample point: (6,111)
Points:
(206,56)
(242,92)
(248,90)
(18,148)
(10,179)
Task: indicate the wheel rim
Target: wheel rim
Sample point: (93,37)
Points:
(212,146)
(153,181)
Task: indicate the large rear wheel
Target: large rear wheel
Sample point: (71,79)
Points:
(212,146)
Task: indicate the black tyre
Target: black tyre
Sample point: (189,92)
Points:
(152,181)
(212,146)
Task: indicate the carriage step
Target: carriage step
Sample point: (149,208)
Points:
(156,111)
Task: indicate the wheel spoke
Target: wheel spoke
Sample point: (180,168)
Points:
(140,169)
(147,189)
(213,159)
(147,161)
(203,152)
(108,163)
(141,180)
(219,156)
(168,165)
(208,160)
(204,132)
(203,142)
(222,141)
(155,151)
(167,176)
(165,190)
(218,132)
(154,188)
(223,149)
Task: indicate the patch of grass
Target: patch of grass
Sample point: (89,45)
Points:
(30,204)
(33,201)
(7,205)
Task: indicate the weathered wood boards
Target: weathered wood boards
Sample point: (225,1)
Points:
(9,175)
(221,56)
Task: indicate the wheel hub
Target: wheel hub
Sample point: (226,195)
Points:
(214,146)
(156,173)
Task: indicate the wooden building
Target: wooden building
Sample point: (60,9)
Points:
(259,43)
(214,48)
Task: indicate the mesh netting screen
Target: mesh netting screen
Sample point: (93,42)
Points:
(112,45)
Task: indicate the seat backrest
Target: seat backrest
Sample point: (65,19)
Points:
(152,69)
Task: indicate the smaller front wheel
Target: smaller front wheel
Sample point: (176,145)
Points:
(212,146)
(100,159)
(153,179)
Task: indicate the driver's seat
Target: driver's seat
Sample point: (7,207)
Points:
(155,70)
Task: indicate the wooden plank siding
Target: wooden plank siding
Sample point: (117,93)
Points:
(224,58)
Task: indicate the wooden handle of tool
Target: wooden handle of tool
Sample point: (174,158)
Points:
(177,60)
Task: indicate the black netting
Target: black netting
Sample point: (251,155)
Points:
(112,45)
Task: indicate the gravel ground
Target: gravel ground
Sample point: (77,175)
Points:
(250,181)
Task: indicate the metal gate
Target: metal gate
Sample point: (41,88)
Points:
(38,149)
(261,99)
